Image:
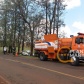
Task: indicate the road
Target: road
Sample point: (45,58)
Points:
(30,70)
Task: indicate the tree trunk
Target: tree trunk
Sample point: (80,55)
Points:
(32,35)
(23,38)
(18,43)
(5,30)
(46,16)
(15,28)
(19,35)
(53,17)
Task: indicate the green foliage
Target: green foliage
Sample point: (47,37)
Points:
(16,13)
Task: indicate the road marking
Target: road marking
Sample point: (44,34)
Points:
(4,80)
(72,76)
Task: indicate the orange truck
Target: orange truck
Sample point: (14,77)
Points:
(66,50)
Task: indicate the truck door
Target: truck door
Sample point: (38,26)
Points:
(79,45)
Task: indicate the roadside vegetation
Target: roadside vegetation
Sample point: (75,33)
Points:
(1,49)
(21,23)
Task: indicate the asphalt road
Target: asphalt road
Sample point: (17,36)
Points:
(30,70)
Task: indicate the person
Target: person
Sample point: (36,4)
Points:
(14,50)
(4,49)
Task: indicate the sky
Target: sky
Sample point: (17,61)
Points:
(73,17)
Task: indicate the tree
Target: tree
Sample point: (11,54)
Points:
(59,13)
(33,18)
(10,23)
(17,13)
(44,5)
(53,13)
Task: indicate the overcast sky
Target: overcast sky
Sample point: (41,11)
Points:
(1,0)
(74,17)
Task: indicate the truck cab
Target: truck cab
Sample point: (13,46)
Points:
(78,44)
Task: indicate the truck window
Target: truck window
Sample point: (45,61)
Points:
(79,40)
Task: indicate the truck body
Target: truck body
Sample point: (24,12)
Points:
(64,49)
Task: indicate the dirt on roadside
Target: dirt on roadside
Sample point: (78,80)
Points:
(3,81)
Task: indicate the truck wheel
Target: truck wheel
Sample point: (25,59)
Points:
(74,61)
(64,51)
(42,56)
